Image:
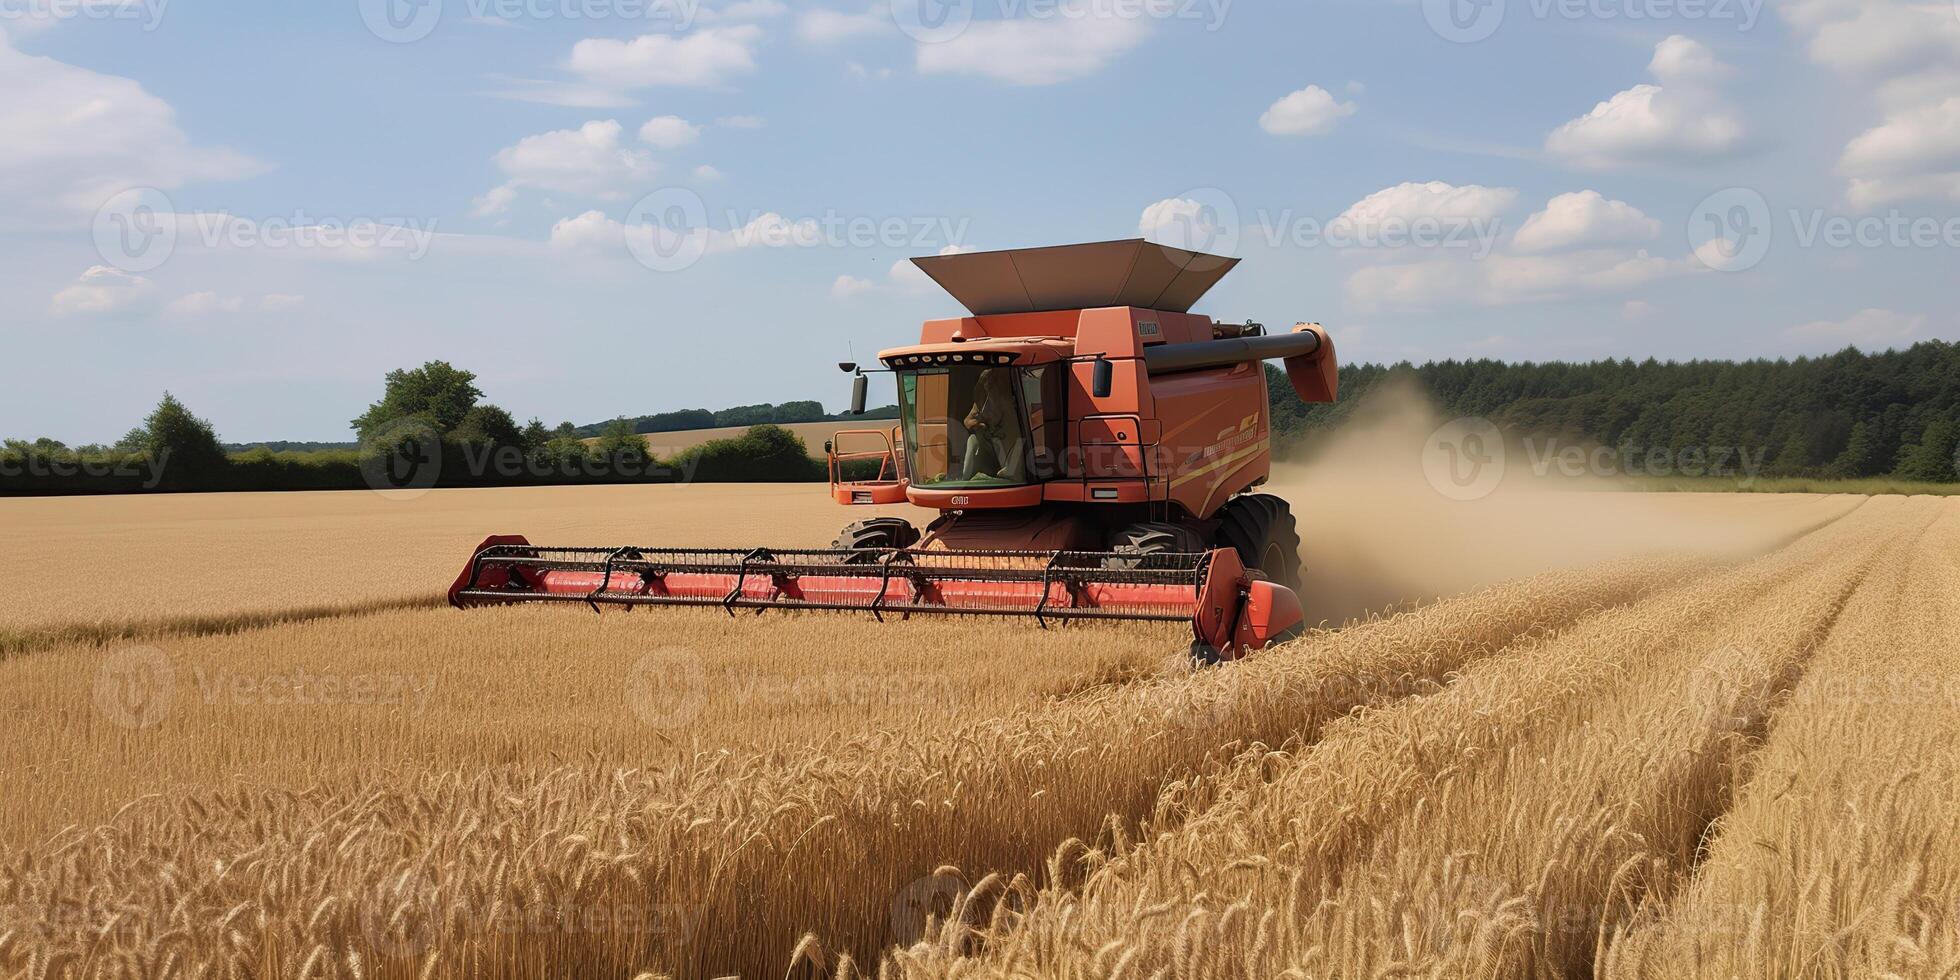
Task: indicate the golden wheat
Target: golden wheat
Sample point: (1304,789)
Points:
(1504,783)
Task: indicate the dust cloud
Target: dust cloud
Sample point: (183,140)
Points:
(1379,530)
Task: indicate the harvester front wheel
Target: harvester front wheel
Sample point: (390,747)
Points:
(877,534)
(1261,529)
(1132,545)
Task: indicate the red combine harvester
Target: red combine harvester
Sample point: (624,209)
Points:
(1088,442)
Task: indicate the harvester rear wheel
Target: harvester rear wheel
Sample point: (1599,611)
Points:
(876,534)
(1133,544)
(1261,529)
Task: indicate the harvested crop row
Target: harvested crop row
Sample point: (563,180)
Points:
(1491,829)
(719,866)
(1840,858)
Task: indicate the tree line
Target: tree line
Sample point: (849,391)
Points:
(1848,415)
(430,428)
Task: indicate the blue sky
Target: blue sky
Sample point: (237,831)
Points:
(612,207)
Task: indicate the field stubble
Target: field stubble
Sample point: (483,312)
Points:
(1550,776)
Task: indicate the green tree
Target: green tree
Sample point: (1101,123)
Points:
(184,444)
(624,450)
(1860,456)
(535,436)
(488,425)
(1932,459)
(437,393)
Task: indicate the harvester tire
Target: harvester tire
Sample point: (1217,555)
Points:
(877,534)
(1133,544)
(1261,529)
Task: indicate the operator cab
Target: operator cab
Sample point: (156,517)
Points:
(983,426)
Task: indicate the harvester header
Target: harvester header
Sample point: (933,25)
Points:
(1089,446)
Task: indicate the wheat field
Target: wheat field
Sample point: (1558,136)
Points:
(1710,737)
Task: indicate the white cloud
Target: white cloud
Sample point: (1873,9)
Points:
(1182,222)
(100,289)
(820,26)
(1870,329)
(589,161)
(1043,51)
(707,58)
(593,230)
(1433,200)
(858,70)
(496,200)
(78,137)
(1309,112)
(851,287)
(1637,310)
(1582,219)
(1680,60)
(1914,154)
(204,304)
(281,302)
(1576,246)
(706,172)
(741,122)
(1446,281)
(1683,119)
(1907,53)
(668,132)
(570,95)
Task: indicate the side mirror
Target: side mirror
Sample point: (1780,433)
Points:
(860,390)
(1104,378)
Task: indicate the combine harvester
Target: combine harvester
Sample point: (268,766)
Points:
(1088,441)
